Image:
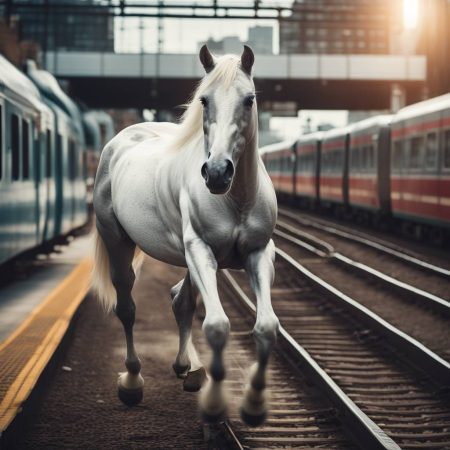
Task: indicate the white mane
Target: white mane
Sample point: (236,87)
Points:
(191,126)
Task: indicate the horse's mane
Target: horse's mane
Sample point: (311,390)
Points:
(191,124)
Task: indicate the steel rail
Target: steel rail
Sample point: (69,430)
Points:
(221,436)
(418,354)
(366,432)
(373,242)
(438,304)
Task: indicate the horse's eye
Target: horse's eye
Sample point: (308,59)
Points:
(204,101)
(248,102)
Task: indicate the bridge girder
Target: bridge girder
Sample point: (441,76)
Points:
(170,93)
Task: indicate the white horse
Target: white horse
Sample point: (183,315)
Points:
(194,195)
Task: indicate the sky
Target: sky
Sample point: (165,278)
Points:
(180,35)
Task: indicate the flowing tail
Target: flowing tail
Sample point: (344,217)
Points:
(101,279)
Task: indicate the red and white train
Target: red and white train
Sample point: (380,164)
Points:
(394,166)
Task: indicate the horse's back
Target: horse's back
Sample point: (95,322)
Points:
(134,135)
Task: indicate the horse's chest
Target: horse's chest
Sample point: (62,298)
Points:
(231,241)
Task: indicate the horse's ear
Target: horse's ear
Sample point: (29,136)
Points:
(247,60)
(206,59)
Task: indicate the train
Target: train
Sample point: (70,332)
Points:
(389,170)
(45,142)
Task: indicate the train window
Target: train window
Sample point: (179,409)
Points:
(397,162)
(338,160)
(59,155)
(71,160)
(357,158)
(352,157)
(447,149)
(15,144)
(431,151)
(1,142)
(370,157)
(25,150)
(37,161)
(324,162)
(48,154)
(416,153)
(363,160)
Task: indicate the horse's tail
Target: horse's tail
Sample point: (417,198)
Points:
(101,279)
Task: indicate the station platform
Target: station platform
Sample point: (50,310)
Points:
(36,312)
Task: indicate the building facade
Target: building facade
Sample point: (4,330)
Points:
(81,27)
(340,27)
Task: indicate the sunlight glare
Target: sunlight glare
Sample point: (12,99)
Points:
(410,13)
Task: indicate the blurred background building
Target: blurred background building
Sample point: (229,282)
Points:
(42,29)
(65,29)
(260,39)
(339,26)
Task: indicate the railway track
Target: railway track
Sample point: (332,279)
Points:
(301,415)
(370,244)
(422,314)
(331,346)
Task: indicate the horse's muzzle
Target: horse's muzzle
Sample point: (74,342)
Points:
(218,175)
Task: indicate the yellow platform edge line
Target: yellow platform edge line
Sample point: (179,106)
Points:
(25,381)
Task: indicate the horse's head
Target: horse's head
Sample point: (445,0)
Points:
(229,116)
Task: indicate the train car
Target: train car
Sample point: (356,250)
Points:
(70,188)
(279,160)
(369,166)
(25,129)
(306,187)
(98,130)
(420,164)
(333,179)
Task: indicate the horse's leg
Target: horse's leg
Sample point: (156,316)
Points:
(121,250)
(216,326)
(259,267)
(187,364)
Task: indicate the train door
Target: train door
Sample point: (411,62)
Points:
(383,168)
(39,185)
(294,158)
(60,210)
(28,200)
(4,187)
(72,176)
(345,170)
(14,168)
(318,156)
(444,176)
(49,180)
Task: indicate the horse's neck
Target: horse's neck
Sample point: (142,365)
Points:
(245,183)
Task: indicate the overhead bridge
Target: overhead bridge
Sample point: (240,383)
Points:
(311,81)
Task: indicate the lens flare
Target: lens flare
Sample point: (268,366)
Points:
(410,13)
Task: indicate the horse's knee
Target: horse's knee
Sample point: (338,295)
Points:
(216,331)
(265,331)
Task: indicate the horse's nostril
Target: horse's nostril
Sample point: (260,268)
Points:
(229,171)
(204,172)
(209,154)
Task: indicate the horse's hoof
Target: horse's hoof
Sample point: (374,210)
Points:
(181,371)
(253,420)
(130,397)
(214,417)
(194,380)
